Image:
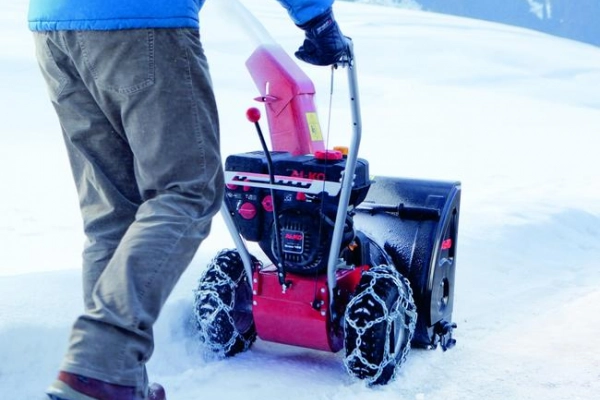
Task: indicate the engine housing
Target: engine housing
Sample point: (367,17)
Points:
(303,196)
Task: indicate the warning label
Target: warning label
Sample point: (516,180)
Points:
(314,127)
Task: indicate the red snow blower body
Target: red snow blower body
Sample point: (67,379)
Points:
(360,263)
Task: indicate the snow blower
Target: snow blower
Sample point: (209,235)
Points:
(355,263)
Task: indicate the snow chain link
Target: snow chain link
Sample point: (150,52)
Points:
(403,310)
(208,294)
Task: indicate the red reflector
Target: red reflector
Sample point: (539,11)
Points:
(446,244)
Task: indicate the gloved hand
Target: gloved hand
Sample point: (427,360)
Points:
(324,43)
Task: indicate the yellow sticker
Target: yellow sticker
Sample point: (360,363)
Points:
(313,126)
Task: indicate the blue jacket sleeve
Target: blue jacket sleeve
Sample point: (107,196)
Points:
(303,11)
(51,15)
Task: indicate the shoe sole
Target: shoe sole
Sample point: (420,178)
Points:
(61,391)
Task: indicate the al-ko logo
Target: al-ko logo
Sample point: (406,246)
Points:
(294,236)
(317,176)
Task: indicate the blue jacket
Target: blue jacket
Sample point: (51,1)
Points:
(50,15)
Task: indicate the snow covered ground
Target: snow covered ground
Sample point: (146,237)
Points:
(513,114)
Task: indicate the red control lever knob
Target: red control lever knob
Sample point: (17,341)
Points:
(253,114)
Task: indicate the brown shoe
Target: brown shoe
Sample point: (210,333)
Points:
(77,387)
(156,392)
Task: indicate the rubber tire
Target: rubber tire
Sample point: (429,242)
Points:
(223,306)
(383,345)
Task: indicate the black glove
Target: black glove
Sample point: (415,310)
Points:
(324,43)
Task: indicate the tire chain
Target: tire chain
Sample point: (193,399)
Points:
(404,304)
(208,295)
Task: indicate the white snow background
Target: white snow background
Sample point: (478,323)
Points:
(513,114)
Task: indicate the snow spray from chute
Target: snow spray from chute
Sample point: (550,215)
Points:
(285,90)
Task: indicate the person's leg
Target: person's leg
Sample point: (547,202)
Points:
(108,193)
(154,88)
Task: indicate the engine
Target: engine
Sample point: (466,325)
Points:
(292,217)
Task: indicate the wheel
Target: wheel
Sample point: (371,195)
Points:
(379,323)
(223,306)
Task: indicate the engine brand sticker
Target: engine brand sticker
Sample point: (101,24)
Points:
(314,127)
(293,241)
